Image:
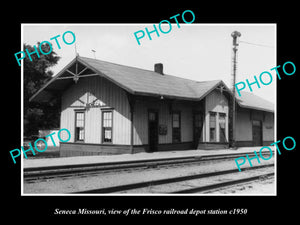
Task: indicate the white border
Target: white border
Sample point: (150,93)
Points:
(22,112)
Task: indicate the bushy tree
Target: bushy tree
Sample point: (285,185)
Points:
(36,73)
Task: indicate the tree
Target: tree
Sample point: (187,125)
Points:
(36,74)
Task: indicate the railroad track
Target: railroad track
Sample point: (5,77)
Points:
(64,171)
(195,183)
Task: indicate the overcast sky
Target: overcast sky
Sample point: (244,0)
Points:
(194,51)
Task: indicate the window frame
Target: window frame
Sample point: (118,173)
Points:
(176,139)
(106,128)
(76,134)
(220,128)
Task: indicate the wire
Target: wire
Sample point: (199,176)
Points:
(267,46)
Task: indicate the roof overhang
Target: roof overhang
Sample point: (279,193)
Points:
(266,108)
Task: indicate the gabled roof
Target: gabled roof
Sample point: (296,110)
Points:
(134,80)
(146,82)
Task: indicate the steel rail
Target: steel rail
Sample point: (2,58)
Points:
(82,169)
(222,184)
(137,185)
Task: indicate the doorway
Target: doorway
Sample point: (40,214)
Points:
(257,132)
(153,130)
(197,128)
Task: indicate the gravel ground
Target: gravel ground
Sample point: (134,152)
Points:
(264,187)
(101,180)
(196,183)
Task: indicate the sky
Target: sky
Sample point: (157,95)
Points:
(194,51)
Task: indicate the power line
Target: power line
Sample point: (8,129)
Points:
(261,45)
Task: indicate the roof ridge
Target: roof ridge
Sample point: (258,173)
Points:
(196,81)
(116,64)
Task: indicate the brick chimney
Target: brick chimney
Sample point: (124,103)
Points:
(158,68)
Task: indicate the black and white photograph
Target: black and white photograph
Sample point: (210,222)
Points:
(144,109)
(136,112)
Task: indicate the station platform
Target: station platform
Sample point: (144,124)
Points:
(80,160)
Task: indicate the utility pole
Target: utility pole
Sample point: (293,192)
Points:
(235,35)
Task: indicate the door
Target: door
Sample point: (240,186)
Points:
(222,127)
(153,130)
(197,128)
(257,132)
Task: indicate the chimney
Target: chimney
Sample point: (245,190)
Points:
(158,68)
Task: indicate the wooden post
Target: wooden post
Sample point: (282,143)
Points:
(235,44)
(131,129)
(131,101)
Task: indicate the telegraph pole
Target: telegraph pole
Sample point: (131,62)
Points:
(235,35)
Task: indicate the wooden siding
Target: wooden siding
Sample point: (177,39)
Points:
(215,102)
(212,145)
(106,95)
(244,124)
(165,118)
(85,149)
(268,127)
(68,149)
(103,94)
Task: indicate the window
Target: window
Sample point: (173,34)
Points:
(79,126)
(107,120)
(256,123)
(222,124)
(176,134)
(212,127)
(152,116)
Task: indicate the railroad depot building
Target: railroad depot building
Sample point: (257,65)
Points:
(113,109)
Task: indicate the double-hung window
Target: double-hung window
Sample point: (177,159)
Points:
(79,126)
(107,121)
(176,128)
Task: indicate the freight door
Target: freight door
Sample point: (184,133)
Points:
(198,124)
(257,133)
(153,130)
